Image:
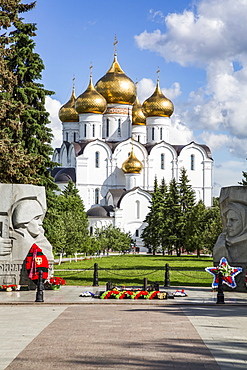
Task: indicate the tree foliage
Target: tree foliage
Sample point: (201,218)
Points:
(24,135)
(66,222)
(110,237)
(154,219)
(176,221)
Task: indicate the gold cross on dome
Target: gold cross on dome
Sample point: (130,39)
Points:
(91,69)
(158,76)
(73,83)
(115,45)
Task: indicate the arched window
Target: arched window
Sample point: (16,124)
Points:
(74,136)
(107,127)
(138,138)
(85,130)
(137,209)
(119,127)
(192,162)
(67,136)
(97,159)
(137,233)
(93,129)
(97,196)
(91,230)
(161,134)
(162,161)
(152,133)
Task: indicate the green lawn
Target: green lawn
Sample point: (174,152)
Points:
(132,269)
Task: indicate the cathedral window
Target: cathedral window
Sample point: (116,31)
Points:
(67,136)
(119,127)
(137,209)
(152,133)
(85,130)
(93,129)
(137,232)
(161,134)
(97,196)
(192,162)
(91,230)
(74,136)
(97,159)
(107,127)
(162,161)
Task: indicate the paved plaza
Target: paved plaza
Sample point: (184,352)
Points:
(67,331)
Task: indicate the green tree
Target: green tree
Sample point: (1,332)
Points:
(110,237)
(244,180)
(172,214)
(66,222)
(213,225)
(187,202)
(196,225)
(23,119)
(151,234)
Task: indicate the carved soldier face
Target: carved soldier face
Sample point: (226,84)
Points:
(34,227)
(233,223)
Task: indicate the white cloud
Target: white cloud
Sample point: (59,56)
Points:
(210,36)
(214,31)
(229,173)
(179,132)
(146,87)
(52,106)
(215,141)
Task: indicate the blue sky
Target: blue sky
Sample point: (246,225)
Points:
(199,46)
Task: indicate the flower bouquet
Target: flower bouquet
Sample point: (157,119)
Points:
(8,288)
(54,283)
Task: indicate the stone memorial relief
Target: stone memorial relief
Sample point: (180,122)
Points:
(232,242)
(22,210)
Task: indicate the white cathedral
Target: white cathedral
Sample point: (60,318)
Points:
(114,147)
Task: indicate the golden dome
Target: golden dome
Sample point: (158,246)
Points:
(132,164)
(138,117)
(158,104)
(116,87)
(90,101)
(67,112)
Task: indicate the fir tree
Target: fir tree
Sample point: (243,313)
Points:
(187,202)
(173,217)
(23,119)
(195,228)
(151,234)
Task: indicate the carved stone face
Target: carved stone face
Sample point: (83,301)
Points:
(34,227)
(233,223)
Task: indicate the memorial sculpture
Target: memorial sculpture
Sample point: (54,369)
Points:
(232,242)
(22,210)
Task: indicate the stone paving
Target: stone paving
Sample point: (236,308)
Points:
(67,331)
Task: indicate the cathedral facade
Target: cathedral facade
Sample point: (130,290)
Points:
(114,147)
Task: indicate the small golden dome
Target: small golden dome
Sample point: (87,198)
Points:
(138,117)
(158,104)
(132,164)
(67,112)
(90,101)
(116,87)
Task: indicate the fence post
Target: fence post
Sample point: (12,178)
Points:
(40,287)
(167,276)
(156,286)
(95,275)
(145,284)
(109,285)
(220,294)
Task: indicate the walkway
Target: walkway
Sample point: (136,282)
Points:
(67,331)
